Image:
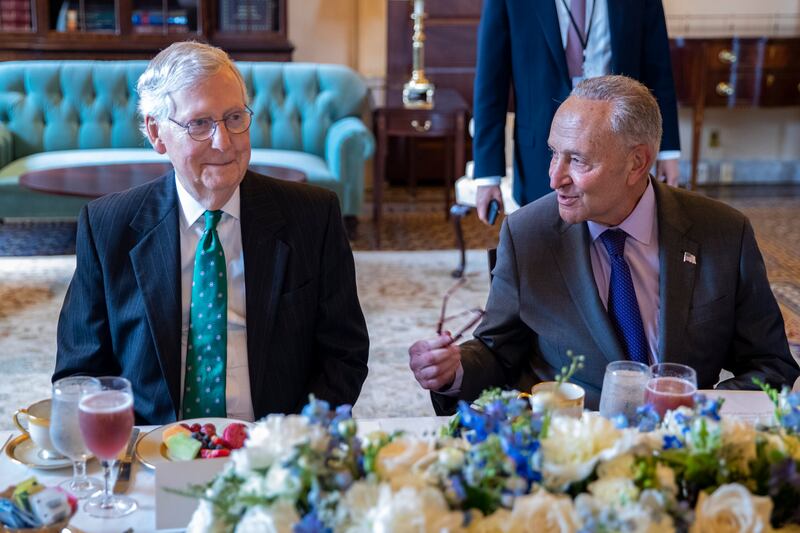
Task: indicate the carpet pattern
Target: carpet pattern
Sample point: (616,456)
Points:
(400,294)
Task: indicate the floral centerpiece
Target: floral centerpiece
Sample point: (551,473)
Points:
(500,467)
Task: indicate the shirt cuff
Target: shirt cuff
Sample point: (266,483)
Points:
(668,154)
(455,388)
(487,180)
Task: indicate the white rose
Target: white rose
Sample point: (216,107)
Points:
(410,510)
(738,442)
(573,448)
(352,511)
(273,438)
(615,491)
(398,462)
(620,466)
(642,520)
(731,508)
(451,458)
(545,512)
(666,478)
(497,522)
(281,483)
(277,518)
(204,521)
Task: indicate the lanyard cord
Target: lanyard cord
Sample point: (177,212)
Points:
(584,42)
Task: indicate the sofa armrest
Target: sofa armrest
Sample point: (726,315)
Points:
(6,146)
(347,147)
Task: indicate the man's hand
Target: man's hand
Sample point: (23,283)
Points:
(667,170)
(435,361)
(485,194)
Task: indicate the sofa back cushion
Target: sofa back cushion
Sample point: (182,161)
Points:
(63,105)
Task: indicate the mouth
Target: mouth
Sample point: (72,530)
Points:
(567,200)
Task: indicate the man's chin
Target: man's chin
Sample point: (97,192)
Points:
(570,216)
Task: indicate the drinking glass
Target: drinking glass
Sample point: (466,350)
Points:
(106,420)
(65,433)
(670,386)
(623,388)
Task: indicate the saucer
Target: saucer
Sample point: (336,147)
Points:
(22,450)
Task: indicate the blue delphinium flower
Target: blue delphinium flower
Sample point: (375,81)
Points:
(647,418)
(620,421)
(317,411)
(706,407)
(311,524)
(671,441)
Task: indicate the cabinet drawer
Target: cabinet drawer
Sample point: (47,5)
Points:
(780,88)
(419,123)
(772,88)
(723,55)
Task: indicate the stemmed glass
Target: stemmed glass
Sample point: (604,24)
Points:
(106,421)
(623,388)
(671,386)
(65,433)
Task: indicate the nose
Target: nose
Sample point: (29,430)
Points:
(559,171)
(221,139)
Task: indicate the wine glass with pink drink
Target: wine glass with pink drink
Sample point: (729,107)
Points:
(671,386)
(106,421)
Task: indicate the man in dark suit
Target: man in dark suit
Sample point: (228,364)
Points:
(541,49)
(214,290)
(615,265)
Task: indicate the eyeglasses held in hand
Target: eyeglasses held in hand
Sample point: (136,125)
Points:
(203,128)
(476,313)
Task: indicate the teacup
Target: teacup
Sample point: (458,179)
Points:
(566,399)
(34,421)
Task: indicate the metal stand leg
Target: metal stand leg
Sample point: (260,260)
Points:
(457,212)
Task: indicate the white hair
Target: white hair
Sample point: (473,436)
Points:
(635,114)
(177,67)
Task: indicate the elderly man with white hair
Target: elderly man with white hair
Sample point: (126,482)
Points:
(614,265)
(215,291)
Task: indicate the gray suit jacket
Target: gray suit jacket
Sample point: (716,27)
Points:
(305,330)
(718,313)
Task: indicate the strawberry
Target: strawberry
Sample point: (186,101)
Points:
(217,440)
(235,435)
(211,454)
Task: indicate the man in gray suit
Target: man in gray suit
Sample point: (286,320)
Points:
(214,290)
(614,265)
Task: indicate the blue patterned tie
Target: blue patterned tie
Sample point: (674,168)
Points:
(204,382)
(623,309)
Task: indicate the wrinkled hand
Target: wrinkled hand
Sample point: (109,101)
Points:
(434,361)
(668,171)
(485,194)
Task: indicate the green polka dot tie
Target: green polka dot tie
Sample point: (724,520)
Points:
(204,386)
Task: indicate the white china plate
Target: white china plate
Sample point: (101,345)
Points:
(22,450)
(150,451)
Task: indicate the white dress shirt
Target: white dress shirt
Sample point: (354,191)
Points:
(238,401)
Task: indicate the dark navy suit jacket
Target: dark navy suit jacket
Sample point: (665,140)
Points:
(305,329)
(519,42)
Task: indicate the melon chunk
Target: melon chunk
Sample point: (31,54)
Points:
(183,447)
(174,430)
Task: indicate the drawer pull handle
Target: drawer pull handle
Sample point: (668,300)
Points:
(724,89)
(726,56)
(421,127)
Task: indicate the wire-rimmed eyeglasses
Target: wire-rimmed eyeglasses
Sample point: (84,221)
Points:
(476,313)
(204,128)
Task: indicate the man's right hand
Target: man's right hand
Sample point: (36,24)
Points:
(485,194)
(434,362)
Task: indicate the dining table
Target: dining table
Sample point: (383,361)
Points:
(753,406)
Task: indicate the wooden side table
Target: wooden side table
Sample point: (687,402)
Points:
(446,120)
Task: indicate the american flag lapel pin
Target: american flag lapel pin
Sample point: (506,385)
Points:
(689,258)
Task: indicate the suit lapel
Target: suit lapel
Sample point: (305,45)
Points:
(265,258)
(677,276)
(572,255)
(616,21)
(157,270)
(548,18)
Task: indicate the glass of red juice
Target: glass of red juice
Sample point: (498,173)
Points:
(670,386)
(105,416)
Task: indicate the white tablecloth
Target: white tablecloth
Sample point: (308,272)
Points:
(746,404)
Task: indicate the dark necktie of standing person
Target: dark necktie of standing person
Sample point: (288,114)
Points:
(623,308)
(574,50)
(206,358)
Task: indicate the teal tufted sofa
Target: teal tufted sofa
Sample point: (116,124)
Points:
(69,113)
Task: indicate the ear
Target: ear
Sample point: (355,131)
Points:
(154,135)
(640,160)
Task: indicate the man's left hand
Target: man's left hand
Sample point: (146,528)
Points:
(667,170)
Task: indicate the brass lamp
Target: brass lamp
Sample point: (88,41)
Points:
(418,91)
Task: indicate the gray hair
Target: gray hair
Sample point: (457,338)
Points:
(177,67)
(635,114)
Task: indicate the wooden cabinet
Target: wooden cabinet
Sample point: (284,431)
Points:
(734,72)
(128,29)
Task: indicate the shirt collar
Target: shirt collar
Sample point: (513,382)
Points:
(191,209)
(639,224)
